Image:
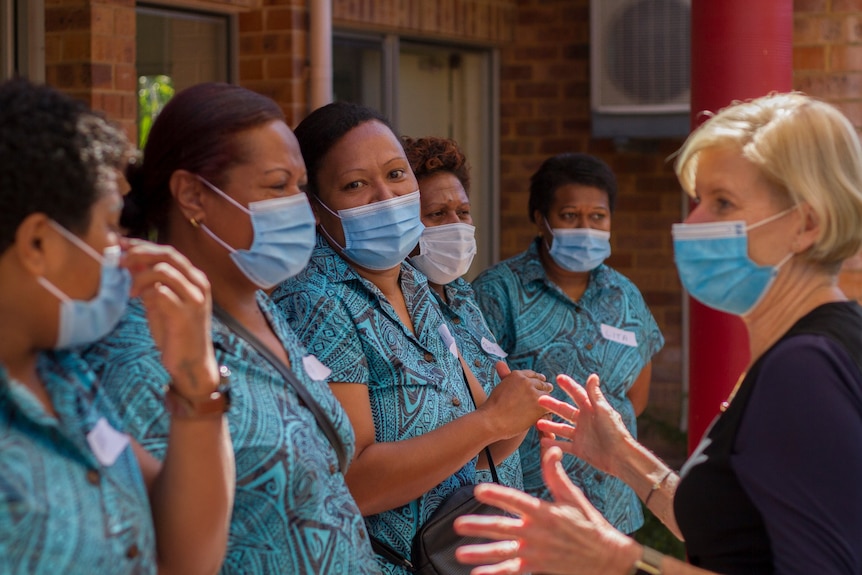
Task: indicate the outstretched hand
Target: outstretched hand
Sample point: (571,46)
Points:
(568,536)
(595,432)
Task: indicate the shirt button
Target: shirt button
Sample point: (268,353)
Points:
(361,533)
(599,478)
(332,468)
(589,346)
(456,320)
(456,402)
(132,551)
(477,363)
(93,476)
(429,357)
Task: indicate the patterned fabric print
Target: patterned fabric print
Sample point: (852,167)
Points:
(543,330)
(414,382)
(473,337)
(292,510)
(61,511)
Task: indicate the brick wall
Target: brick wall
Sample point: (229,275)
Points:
(827,63)
(473,20)
(545,109)
(273,54)
(90,54)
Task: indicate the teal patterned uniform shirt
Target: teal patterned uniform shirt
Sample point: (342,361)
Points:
(481,353)
(415,383)
(609,331)
(292,510)
(65,506)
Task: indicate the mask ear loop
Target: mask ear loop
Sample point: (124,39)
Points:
(322,228)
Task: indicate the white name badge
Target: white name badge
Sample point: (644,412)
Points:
(106,442)
(314,368)
(492,348)
(447,338)
(622,336)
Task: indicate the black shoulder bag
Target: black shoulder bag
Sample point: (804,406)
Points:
(305,397)
(436,541)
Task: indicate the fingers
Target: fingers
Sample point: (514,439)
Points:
(565,410)
(555,428)
(573,389)
(499,558)
(495,527)
(561,487)
(502,369)
(505,498)
(144,256)
(594,391)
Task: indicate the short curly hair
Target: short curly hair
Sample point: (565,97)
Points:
(57,157)
(431,155)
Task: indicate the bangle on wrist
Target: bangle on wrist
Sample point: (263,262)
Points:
(648,564)
(213,405)
(656,486)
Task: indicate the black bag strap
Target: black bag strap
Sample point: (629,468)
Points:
(323,421)
(491,467)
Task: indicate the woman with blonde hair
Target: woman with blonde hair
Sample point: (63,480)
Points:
(773,485)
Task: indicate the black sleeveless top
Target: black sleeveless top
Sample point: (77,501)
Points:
(723,526)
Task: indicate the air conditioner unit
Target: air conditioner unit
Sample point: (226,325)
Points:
(640,53)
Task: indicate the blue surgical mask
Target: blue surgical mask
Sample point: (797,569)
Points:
(379,236)
(283,238)
(445,252)
(83,322)
(714,267)
(579,249)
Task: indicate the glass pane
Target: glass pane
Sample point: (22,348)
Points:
(176,50)
(357,72)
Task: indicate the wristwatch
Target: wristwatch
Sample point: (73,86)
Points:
(216,404)
(649,564)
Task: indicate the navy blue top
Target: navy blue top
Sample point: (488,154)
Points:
(774,486)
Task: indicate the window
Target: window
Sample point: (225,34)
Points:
(430,89)
(22,39)
(177,49)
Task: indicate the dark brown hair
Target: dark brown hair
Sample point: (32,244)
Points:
(432,155)
(196,131)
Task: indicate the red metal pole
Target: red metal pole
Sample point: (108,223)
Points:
(740,49)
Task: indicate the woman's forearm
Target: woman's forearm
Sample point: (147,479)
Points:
(192,497)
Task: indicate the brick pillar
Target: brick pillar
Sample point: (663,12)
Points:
(827,64)
(273,47)
(90,54)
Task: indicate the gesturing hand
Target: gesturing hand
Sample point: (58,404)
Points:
(568,536)
(595,432)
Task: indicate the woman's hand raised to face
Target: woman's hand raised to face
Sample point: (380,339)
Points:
(177,299)
(595,432)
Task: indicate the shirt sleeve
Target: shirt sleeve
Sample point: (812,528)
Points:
(323,323)
(493,300)
(798,454)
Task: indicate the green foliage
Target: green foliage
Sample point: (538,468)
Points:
(153,93)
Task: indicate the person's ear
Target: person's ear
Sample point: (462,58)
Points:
(187,191)
(810,231)
(34,242)
(539,220)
